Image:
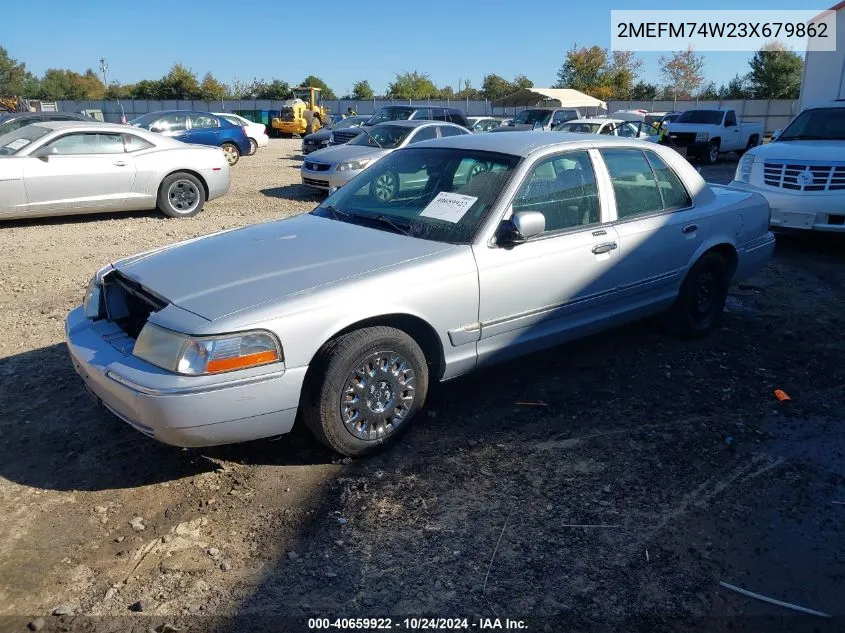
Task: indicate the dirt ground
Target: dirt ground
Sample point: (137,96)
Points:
(610,484)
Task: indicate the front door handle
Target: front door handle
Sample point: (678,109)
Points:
(120,163)
(690,228)
(600,249)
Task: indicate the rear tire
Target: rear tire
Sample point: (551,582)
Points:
(253,146)
(181,195)
(700,305)
(233,154)
(365,389)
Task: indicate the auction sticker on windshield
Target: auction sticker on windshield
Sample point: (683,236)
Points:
(449,207)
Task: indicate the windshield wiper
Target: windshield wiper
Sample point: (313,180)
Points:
(383,219)
(805,137)
(336,213)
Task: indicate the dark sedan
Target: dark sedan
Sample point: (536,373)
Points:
(319,140)
(11,121)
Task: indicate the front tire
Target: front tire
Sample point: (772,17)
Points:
(366,388)
(712,154)
(181,195)
(700,305)
(232,153)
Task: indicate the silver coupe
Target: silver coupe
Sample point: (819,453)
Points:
(70,167)
(499,244)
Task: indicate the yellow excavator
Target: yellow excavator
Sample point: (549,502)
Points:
(11,104)
(303,114)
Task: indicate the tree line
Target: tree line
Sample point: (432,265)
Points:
(774,73)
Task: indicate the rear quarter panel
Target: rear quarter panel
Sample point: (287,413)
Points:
(154,166)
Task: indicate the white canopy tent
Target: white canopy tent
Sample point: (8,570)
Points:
(555,97)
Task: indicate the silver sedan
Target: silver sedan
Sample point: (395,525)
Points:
(70,167)
(333,167)
(493,245)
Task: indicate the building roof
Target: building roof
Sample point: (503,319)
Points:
(558,97)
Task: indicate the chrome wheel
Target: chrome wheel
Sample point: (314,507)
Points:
(386,187)
(377,396)
(183,196)
(714,153)
(253,146)
(231,153)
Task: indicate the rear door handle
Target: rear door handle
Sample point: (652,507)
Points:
(600,249)
(690,228)
(120,163)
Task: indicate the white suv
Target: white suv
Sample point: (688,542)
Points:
(802,171)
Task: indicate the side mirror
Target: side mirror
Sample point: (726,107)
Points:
(45,152)
(522,226)
(776,133)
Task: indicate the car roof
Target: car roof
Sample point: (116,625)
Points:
(596,120)
(525,143)
(415,123)
(86,125)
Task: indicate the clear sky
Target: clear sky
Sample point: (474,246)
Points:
(341,42)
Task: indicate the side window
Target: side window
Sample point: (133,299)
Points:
(422,113)
(634,183)
(730,119)
(448,130)
(672,190)
(562,188)
(134,143)
(233,121)
(453,116)
(627,130)
(426,133)
(75,144)
(438,114)
(559,117)
(170,123)
(204,121)
(607,129)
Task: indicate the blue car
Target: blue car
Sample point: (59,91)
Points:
(200,128)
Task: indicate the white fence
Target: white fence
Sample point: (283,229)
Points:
(773,114)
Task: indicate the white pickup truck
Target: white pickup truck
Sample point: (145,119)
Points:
(707,133)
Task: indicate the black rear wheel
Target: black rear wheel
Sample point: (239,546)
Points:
(700,305)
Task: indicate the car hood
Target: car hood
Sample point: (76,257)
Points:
(340,153)
(235,270)
(821,151)
(318,137)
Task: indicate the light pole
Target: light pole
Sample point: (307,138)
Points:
(104,66)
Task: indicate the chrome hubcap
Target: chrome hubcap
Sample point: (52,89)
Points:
(377,396)
(183,196)
(231,154)
(714,153)
(385,187)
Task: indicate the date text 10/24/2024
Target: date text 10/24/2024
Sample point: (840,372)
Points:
(417,624)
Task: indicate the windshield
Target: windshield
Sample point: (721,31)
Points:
(303,94)
(530,117)
(434,194)
(390,114)
(17,140)
(584,128)
(384,136)
(818,124)
(353,120)
(145,119)
(708,117)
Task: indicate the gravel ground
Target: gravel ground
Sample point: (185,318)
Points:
(617,479)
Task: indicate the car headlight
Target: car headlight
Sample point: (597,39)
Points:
(354,164)
(743,168)
(202,355)
(702,136)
